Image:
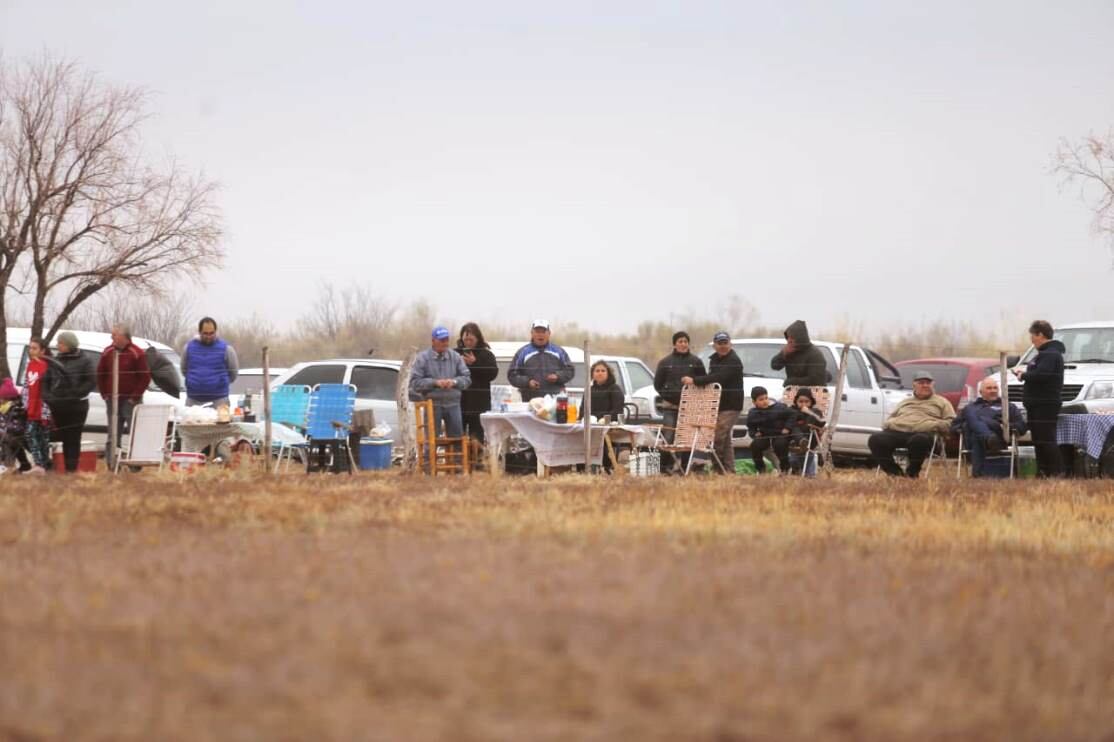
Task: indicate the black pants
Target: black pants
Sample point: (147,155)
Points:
(759,446)
(473,426)
(1042,417)
(882,447)
(69,422)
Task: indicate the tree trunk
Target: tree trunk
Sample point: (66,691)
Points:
(405,418)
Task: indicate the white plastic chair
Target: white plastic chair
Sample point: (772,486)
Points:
(150,437)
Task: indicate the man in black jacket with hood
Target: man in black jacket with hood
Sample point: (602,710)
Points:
(726,369)
(1044,381)
(667,382)
(803,362)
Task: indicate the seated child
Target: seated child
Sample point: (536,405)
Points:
(13,427)
(768,426)
(803,420)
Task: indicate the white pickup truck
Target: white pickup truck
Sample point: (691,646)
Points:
(870,393)
(1088,366)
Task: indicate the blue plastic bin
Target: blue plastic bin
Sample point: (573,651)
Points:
(375,453)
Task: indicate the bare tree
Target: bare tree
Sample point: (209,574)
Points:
(79,208)
(1088,164)
(167,318)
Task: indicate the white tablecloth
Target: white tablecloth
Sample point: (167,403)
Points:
(197,436)
(556,445)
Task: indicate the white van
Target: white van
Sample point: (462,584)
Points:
(635,378)
(92,344)
(1088,366)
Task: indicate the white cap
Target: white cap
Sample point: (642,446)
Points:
(542,323)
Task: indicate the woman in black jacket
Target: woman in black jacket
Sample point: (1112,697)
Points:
(70,377)
(607,396)
(476,399)
(607,399)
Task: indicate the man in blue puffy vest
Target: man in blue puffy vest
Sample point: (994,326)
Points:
(209,365)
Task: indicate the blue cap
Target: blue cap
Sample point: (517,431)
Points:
(721,336)
(440,333)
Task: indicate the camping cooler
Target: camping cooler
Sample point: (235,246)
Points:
(375,453)
(86,461)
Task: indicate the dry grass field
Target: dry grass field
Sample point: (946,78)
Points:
(383,607)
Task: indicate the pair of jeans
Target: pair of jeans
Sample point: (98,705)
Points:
(69,423)
(761,444)
(882,446)
(806,460)
(38,442)
(453,419)
(124,416)
(1042,417)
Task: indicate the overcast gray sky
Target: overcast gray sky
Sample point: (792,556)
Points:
(615,162)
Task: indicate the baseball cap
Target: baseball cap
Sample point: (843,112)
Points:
(542,323)
(919,375)
(440,333)
(720,337)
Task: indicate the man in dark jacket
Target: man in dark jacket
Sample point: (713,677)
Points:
(134,378)
(540,367)
(726,369)
(1044,381)
(803,362)
(667,382)
(981,425)
(768,426)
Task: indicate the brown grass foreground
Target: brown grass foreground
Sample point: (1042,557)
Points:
(384,607)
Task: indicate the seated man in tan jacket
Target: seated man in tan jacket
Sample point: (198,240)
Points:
(912,426)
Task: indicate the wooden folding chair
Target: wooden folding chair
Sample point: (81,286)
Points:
(438,454)
(696,424)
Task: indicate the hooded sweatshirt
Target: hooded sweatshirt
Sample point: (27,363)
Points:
(806,365)
(1044,375)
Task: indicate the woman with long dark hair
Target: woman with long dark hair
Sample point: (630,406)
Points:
(607,395)
(476,399)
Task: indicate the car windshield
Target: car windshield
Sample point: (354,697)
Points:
(1084,345)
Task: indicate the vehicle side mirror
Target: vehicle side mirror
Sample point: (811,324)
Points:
(1011,361)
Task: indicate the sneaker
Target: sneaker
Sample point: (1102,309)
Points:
(3,469)
(994,445)
(36,470)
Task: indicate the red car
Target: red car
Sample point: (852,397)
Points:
(956,379)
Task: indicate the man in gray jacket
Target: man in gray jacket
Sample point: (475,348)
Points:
(440,374)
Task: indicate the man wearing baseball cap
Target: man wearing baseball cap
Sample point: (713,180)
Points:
(726,369)
(440,374)
(912,425)
(540,367)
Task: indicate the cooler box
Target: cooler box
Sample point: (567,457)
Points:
(86,460)
(375,453)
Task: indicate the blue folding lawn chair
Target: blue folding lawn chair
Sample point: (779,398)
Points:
(329,425)
(289,408)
